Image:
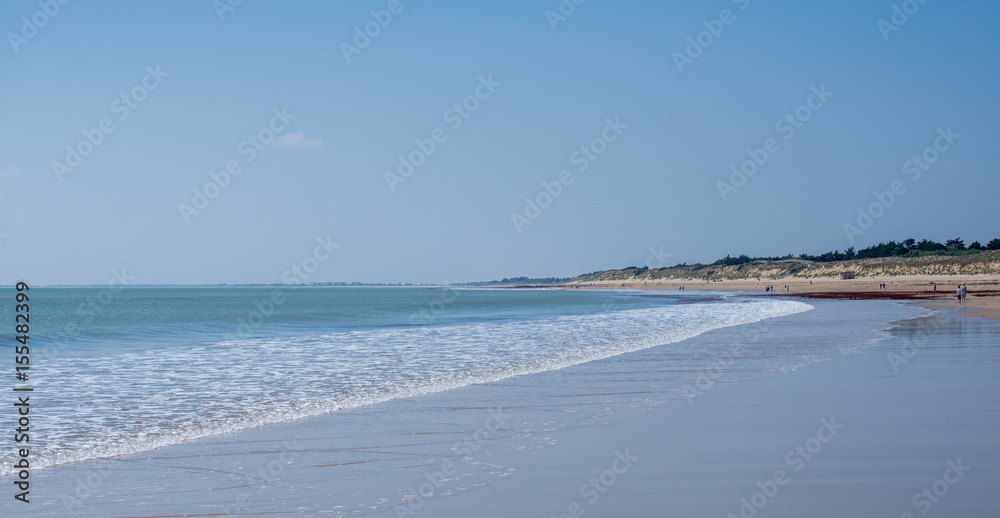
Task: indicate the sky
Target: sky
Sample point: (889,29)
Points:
(443,141)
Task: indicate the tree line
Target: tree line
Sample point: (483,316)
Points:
(905,248)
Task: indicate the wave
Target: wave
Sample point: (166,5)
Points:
(116,404)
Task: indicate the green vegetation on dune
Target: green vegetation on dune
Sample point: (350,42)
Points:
(907,257)
(905,248)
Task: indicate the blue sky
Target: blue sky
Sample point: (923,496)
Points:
(322,174)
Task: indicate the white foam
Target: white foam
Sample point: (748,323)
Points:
(137,401)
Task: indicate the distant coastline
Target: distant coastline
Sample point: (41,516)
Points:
(979,263)
(931,279)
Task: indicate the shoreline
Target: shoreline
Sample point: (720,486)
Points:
(983,289)
(526,446)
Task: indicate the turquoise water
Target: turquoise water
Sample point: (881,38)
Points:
(126,370)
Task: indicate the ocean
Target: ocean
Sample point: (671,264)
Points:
(126,370)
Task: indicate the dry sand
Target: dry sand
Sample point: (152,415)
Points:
(983,290)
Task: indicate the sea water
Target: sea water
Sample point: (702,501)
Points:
(126,370)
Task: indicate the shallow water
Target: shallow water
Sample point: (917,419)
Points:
(131,370)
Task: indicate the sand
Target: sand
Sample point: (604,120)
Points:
(983,290)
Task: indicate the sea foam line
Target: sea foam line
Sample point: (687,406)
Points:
(606,335)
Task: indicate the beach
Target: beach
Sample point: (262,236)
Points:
(368,259)
(983,289)
(778,418)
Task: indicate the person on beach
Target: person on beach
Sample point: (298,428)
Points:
(959,292)
(964,294)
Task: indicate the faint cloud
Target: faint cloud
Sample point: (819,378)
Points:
(297,141)
(9,171)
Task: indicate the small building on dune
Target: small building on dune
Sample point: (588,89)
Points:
(847,275)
